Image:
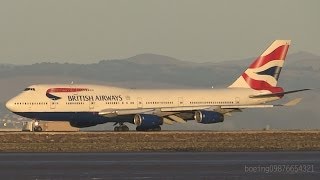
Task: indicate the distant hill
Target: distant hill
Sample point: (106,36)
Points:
(302,70)
(155,59)
(304,60)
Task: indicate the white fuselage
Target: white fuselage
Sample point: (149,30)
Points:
(97,98)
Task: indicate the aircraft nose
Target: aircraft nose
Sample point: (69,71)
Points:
(9,105)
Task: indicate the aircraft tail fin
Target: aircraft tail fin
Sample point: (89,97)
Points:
(264,72)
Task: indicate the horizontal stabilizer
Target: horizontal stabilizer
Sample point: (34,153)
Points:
(293,102)
(276,94)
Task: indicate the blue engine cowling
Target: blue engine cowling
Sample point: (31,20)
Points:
(147,121)
(208,117)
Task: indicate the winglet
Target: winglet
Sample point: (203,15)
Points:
(293,102)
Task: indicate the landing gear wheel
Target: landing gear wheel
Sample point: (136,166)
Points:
(157,128)
(37,129)
(124,128)
(121,128)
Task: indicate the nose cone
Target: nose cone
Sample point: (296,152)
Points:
(10,105)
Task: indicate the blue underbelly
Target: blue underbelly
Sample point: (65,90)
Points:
(74,116)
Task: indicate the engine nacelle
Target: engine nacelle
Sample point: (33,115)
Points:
(147,121)
(208,117)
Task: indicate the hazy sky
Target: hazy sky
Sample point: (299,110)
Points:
(86,31)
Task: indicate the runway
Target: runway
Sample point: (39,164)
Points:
(176,165)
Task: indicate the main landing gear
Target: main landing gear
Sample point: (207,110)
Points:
(121,127)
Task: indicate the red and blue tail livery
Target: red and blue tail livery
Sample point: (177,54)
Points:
(264,72)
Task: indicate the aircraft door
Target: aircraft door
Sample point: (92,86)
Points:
(180,101)
(139,102)
(237,100)
(91,105)
(29,106)
(52,104)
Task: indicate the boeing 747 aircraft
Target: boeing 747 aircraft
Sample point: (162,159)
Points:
(85,105)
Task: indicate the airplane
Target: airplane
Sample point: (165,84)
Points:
(85,105)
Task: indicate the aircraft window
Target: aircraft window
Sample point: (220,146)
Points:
(29,89)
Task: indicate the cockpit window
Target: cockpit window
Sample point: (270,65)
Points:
(29,89)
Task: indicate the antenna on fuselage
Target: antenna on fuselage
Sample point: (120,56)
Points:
(71,82)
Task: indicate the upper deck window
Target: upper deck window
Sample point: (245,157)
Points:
(29,89)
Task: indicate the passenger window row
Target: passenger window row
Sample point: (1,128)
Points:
(119,103)
(29,89)
(69,103)
(213,102)
(30,103)
(165,102)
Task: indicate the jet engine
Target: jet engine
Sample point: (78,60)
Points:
(208,117)
(147,121)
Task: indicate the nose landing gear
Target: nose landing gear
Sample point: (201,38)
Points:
(37,127)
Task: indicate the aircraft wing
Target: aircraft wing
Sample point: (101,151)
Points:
(180,114)
(119,112)
(290,103)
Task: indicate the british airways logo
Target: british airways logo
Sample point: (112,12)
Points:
(62,90)
(96,98)
(50,93)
